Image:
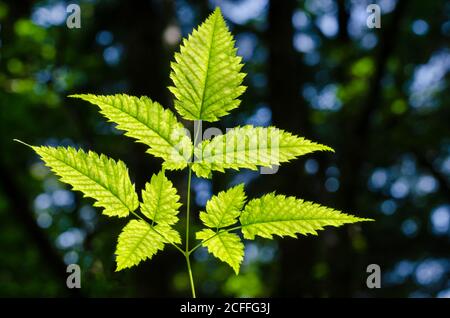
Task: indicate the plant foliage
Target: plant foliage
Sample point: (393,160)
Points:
(207,81)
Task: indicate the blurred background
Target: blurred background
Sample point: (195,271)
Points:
(380,97)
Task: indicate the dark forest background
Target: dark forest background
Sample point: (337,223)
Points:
(379,97)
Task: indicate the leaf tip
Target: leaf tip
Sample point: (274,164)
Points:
(75,95)
(217,10)
(81,96)
(328,148)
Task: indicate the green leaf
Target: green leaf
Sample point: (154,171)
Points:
(160,200)
(149,123)
(98,177)
(227,247)
(206,72)
(169,234)
(250,147)
(140,241)
(223,209)
(286,216)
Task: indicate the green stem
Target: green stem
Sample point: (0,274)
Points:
(186,253)
(191,278)
(188,207)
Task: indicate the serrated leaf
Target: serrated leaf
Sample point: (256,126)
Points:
(250,147)
(160,200)
(287,216)
(223,209)
(98,177)
(206,72)
(149,123)
(137,242)
(226,246)
(169,234)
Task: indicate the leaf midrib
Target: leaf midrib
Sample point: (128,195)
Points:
(158,200)
(208,64)
(226,247)
(138,120)
(220,154)
(90,178)
(141,239)
(227,211)
(297,220)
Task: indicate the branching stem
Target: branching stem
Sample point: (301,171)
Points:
(186,252)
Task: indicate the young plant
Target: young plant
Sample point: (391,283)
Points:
(207,82)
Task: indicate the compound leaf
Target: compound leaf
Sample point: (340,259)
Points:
(160,200)
(250,147)
(227,247)
(149,123)
(286,216)
(223,209)
(206,72)
(98,177)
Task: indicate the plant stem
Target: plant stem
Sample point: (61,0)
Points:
(186,253)
(191,278)
(188,208)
